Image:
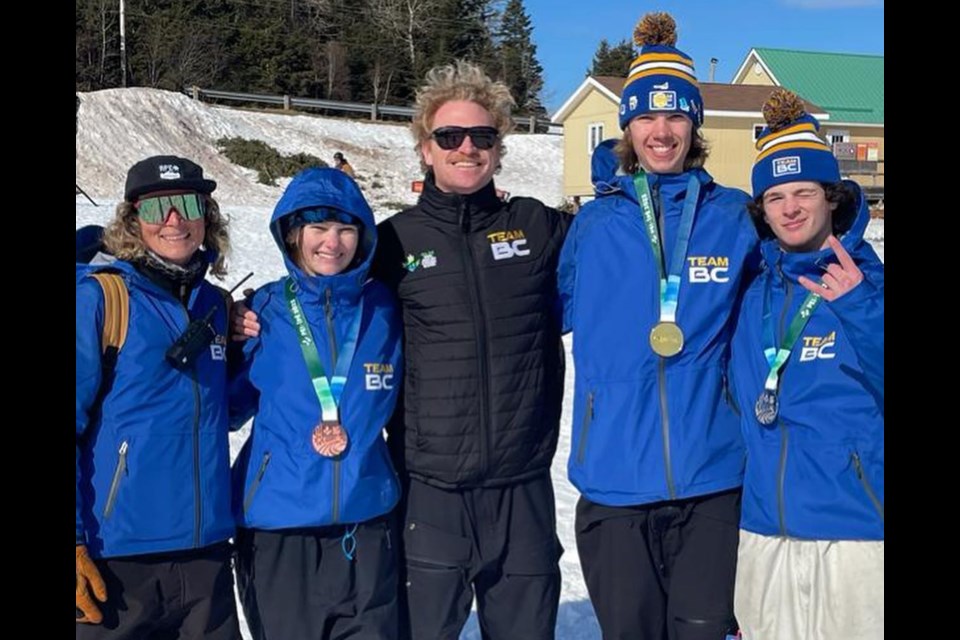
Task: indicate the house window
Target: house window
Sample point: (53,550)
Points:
(594,136)
(837,135)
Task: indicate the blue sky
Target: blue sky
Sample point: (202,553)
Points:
(567,33)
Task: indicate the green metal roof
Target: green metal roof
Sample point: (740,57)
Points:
(848,86)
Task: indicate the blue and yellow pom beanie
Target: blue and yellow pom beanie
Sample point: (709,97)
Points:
(661,78)
(790,148)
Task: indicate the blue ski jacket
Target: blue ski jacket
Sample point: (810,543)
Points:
(280,481)
(817,473)
(647,428)
(152,451)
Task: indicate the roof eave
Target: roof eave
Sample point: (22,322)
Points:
(755,53)
(574,100)
(873,125)
(752,114)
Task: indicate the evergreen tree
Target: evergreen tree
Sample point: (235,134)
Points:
(519,68)
(476,22)
(612,61)
(357,50)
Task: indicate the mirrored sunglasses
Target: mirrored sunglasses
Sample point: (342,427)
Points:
(155,210)
(452,137)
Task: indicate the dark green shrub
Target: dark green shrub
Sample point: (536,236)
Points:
(267,161)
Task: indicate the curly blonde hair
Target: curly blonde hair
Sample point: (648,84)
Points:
(122,235)
(461,80)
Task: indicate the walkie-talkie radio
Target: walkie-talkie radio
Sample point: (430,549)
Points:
(198,335)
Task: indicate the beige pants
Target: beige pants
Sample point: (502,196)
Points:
(789,589)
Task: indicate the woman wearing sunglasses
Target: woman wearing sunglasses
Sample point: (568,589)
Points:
(153,508)
(313,485)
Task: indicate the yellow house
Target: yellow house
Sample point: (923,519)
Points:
(732,122)
(848,86)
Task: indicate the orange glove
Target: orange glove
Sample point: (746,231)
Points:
(88,577)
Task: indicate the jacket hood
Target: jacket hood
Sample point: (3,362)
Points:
(325,187)
(603,168)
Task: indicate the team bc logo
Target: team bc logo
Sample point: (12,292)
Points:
(816,348)
(786,166)
(507,244)
(377,376)
(218,350)
(708,269)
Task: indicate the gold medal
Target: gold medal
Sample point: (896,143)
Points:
(329,439)
(666,339)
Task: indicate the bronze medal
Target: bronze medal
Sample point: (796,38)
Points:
(329,439)
(666,339)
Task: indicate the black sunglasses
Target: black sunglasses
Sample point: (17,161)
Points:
(452,137)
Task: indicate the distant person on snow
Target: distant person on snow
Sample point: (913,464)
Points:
(153,478)
(340,162)
(317,553)
(807,369)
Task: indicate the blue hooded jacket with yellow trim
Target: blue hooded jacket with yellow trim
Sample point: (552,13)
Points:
(279,480)
(152,453)
(647,428)
(817,473)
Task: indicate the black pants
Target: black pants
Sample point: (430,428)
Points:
(498,544)
(661,571)
(170,596)
(298,584)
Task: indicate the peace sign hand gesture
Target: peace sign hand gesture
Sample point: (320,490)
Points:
(839,279)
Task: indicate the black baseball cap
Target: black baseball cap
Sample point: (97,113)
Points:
(163,173)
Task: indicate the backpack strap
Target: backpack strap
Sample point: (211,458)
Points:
(116,313)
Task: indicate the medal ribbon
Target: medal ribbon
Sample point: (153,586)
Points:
(328,391)
(776,358)
(669,286)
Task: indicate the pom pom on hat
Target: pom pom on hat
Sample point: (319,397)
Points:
(662,78)
(781,109)
(790,148)
(656,28)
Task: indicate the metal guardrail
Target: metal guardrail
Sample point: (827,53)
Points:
(198,93)
(524,123)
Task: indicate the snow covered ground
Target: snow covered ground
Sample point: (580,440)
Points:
(118,127)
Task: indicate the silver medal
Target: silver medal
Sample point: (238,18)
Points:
(767,407)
